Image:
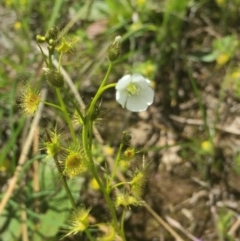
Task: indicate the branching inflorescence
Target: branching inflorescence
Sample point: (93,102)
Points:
(75,157)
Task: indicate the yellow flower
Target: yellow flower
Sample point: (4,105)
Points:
(220,3)
(23,2)
(140,3)
(124,165)
(235,74)
(207,147)
(8,3)
(136,26)
(94,184)
(17,25)
(222,59)
(109,150)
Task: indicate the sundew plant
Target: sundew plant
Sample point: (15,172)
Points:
(75,157)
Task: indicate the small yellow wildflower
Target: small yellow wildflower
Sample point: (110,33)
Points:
(140,3)
(8,3)
(109,150)
(222,59)
(94,184)
(124,165)
(220,3)
(235,74)
(136,26)
(17,25)
(150,68)
(23,2)
(207,147)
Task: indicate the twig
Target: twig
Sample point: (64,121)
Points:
(163,223)
(24,223)
(234,227)
(36,187)
(177,225)
(183,120)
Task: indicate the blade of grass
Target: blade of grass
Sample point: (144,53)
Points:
(55,12)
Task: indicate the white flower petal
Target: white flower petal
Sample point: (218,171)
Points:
(138,78)
(121,97)
(123,82)
(147,94)
(136,104)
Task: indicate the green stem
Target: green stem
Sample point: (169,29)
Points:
(89,235)
(116,163)
(64,180)
(69,194)
(52,105)
(107,87)
(44,56)
(59,62)
(65,113)
(197,94)
(118,184)
(95,175)
(74,104)
(87,145)
(122,224)
(50,63)
(100,90)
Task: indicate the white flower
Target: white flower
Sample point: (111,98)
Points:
(134,92)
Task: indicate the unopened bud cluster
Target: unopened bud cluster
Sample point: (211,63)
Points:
(114,49)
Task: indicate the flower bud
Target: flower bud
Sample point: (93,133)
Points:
(54,78)
(126,138)
(114,49)
(40,39)
(129,153)
(52,33)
